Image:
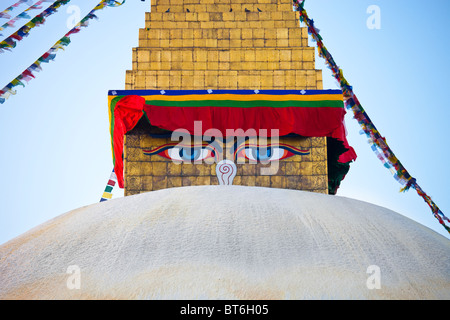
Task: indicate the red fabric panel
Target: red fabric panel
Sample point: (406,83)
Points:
(127,113)
(315,122)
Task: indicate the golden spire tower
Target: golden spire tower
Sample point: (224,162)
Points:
(223,45)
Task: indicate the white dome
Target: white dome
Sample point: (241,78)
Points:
(227,242)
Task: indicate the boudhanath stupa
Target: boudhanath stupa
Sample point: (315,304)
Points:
(230,154)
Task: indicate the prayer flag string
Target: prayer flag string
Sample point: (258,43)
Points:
(5,13)
(23,15)
(50,55)
(11,41)
(107,194)
(377,141)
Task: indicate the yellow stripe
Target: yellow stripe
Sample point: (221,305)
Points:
(110,98)
(250,97)
(107,195)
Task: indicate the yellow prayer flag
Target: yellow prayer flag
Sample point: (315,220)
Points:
(107,195)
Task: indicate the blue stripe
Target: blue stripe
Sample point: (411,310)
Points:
(205,92)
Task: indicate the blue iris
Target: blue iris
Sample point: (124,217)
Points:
(189,154)
(262,153)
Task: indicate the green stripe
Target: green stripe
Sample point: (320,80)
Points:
(109,189)
(247,104)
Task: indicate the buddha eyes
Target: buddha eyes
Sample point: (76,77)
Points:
(251,152)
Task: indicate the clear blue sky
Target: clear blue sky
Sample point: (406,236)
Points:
(56,151)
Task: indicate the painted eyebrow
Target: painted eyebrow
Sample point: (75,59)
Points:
(279,145)
(150,152)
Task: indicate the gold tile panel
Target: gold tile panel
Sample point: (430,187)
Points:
(211,47)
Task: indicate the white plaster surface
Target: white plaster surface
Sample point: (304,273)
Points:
(227,242)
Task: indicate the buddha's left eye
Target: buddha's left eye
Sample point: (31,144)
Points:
(189,154)
(183,153)
(267,153)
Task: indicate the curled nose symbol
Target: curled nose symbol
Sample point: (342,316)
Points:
(226,171)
